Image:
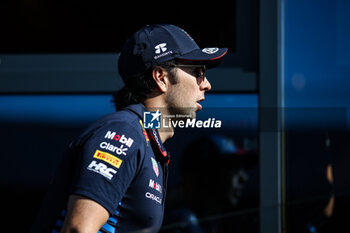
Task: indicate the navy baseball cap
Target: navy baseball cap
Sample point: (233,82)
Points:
(155,44)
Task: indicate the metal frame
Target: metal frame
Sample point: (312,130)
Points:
(270,119)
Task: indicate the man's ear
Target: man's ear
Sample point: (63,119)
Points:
(160,76)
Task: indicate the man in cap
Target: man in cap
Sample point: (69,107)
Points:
(113,177)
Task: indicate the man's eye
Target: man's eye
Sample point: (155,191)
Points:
(198,72)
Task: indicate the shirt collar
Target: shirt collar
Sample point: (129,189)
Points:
(139,110)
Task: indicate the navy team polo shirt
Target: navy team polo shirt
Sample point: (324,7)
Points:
(120,165)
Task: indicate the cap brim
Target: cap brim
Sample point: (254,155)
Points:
(210,57)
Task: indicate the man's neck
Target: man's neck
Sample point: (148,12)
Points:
(164,133)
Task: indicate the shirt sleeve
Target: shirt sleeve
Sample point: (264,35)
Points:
(107,163)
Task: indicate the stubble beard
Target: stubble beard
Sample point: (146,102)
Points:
(177,108)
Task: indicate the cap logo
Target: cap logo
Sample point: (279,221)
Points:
(161,48)
(210,50)
(187,34)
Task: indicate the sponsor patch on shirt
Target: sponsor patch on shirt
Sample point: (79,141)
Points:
(119,138)
(111,159)
(118,150)
(154,185)
(144,132)
(153,197)
(155,166)
(101,169)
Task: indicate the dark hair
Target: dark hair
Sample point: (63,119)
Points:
(139,86)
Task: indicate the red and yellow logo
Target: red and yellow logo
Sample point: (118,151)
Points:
(144,132)
(116,162)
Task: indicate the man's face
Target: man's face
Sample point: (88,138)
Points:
(185,95)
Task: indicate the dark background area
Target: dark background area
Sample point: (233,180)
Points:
(39,26)
(31,150)
(46,27)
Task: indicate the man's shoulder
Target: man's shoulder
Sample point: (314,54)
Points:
(116,126)
(121,121)
(120,118)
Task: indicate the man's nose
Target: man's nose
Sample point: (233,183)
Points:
(205,86)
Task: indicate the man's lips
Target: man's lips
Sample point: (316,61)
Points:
(198,103)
